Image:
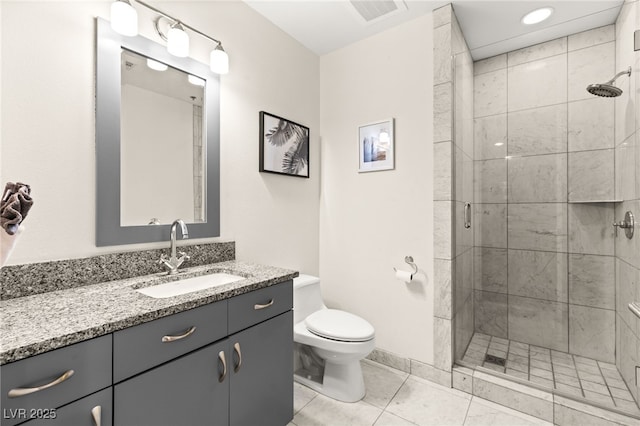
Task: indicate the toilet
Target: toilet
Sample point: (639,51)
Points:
(329,344)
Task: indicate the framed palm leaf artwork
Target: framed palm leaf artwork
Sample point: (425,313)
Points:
(284,146)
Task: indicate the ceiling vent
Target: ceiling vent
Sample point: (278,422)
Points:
(376,10)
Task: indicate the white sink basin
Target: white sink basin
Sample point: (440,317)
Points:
(177,288)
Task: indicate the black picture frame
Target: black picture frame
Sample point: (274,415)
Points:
(284,146)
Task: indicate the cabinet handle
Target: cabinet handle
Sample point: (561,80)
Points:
(96,413)
(14,393)
(224,366)
(189,332)
(258,306)
(236,348)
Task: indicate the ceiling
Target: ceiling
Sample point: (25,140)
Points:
(490,27)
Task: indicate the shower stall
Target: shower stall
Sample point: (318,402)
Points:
(543,175)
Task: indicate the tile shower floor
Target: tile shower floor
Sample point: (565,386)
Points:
(578,376)
(395,398)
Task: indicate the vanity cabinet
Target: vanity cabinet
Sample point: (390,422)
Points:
(243,378)
(226,363)
(36,387)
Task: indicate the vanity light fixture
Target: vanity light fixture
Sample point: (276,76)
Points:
(124,20)
(177,40)
(219,60)
(537,16)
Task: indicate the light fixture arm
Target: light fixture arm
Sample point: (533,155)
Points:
(174,20)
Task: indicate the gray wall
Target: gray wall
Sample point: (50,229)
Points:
(544,161)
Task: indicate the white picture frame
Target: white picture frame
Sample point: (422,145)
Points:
(376,146)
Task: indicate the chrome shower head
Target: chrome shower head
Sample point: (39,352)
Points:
(607,90)
(604,90)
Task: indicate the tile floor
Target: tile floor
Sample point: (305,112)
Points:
(395,398)
(583,377)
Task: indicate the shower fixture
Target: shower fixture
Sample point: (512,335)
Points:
(628,224)
(608,90)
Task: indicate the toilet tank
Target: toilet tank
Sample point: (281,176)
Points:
(307,298)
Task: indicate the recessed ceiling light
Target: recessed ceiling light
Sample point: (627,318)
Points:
(537,16)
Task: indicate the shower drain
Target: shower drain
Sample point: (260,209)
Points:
(495,360)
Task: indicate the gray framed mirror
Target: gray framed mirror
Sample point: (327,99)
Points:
(157,142)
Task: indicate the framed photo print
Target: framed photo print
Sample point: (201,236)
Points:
(376,146)
(284,146)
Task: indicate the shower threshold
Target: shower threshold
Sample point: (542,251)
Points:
(585,378)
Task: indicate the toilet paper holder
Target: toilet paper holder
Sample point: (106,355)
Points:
(409,260)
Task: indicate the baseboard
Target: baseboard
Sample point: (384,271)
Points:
(390,360)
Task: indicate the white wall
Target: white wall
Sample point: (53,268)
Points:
(369,222)
(48,138)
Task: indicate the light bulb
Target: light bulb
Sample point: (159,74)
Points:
(124,18)
(219,60)
(178,41)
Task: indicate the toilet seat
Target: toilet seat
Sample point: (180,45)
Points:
(339,325)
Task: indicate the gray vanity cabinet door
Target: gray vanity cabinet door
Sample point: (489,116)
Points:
(92,410)
(182,392)
(262,386)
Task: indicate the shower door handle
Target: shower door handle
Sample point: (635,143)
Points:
(467,215)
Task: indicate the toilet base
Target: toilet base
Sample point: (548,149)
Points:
(343,382)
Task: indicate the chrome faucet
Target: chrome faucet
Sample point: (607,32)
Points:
(174,262)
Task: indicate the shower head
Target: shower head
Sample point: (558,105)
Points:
(607,90)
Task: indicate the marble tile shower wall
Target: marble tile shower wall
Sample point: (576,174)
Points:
(544,259)
(627,152)
(453,183)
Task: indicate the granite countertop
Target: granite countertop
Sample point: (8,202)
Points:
(35,324)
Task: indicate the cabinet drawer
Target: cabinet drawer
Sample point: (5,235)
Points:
(256,306)
(91,365)
(144,346)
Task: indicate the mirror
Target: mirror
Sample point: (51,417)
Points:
(160,125)
(157,141)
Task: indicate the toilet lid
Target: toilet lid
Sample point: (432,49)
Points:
(339,325)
